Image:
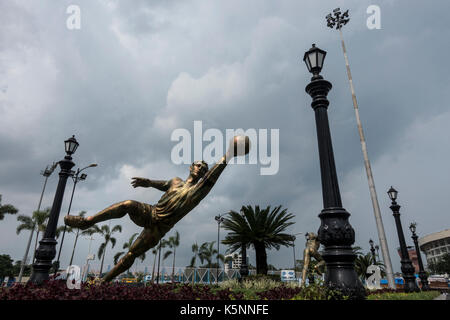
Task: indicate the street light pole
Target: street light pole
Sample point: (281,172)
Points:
(406,264)
(422,274)
(219,220)
(335,232)
(372,249)
(338,21)
(75,177)
(46,173)
(47,246)
(243,271)
(293,245)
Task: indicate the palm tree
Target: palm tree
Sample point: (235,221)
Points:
(106,232)
(6,209)
(263,229)
(154,252)
(70,230)
(196,251)
(173,243)
(207,251)
(127,245)
(39,219)
(362,262)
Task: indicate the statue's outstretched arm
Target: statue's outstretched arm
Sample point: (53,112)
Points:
(162,185)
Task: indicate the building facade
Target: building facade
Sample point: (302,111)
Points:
(235,262)
(435,245)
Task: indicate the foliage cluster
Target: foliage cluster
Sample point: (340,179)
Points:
(263,289)
(441,266)
(389,294)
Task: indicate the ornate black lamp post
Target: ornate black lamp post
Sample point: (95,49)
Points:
(335,232)
(372,249)
(406,264)
(422,274)
(219,220)
(47,246)
(76,177)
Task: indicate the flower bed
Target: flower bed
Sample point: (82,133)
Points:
(57,290)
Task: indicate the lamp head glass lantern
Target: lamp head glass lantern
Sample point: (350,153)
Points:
(71,145)
(371,243)
(392,194)
(412,227)
(313,59)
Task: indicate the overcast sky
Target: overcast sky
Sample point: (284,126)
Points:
(137,70)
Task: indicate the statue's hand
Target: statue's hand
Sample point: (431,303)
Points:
(139,182)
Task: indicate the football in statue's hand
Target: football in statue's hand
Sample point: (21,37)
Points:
(241,145)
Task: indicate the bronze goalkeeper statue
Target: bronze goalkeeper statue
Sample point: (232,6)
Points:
(179,199)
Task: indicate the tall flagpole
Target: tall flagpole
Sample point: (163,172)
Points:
(339,20)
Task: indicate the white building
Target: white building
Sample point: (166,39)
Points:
(235,262)
(435,245)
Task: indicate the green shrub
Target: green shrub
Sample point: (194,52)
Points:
(424,295)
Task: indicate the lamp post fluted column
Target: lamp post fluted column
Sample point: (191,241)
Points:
(335,232)
(47,246)
(406,264)
(422,274)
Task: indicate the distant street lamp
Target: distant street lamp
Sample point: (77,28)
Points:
(422,274)
(406,264)
(219,220)
(335,232)
(293,246)
(377,248)
(46,173)
(47,246)
(372,249)
(243,271)
(75,177)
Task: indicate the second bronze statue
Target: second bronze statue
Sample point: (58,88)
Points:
(180,197)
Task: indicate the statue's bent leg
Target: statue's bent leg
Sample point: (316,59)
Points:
(320,263)
(138,212)
(306,259)
(148,238)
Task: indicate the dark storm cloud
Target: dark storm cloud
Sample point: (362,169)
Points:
(136,71)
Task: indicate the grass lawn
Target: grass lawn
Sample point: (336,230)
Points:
(424,295)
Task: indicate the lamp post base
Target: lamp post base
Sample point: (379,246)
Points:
(337,235)
(44,256)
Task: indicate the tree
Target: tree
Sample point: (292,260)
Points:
(6,266)
(208,252)
(442,265)
(6,209)
(154,252)
(362,262)
(38,219)
(17,266)
(127,245)
(196,252)
(106,232)
(173,243)
(263,229)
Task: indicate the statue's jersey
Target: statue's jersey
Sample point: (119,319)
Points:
(179,201)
